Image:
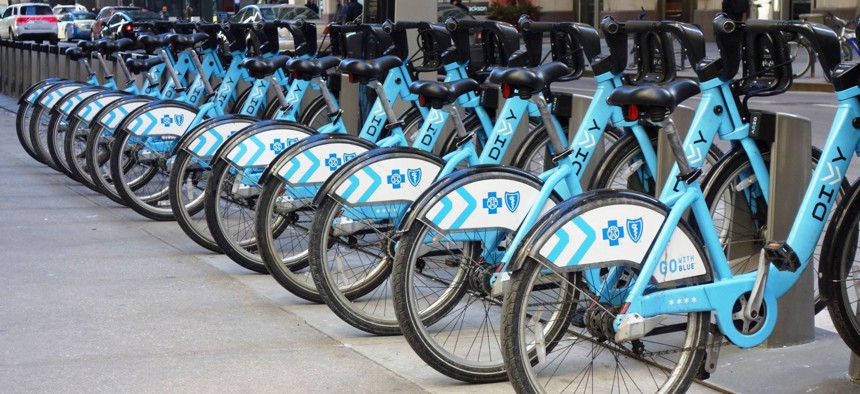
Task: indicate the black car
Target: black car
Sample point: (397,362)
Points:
(119,25)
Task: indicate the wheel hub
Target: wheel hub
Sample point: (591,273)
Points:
(599,319)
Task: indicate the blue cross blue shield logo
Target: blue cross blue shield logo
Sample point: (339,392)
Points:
(414,175)
(613,233)
(179,119)
(634,229)
(292,141)
(492,203)
(333,162)
(512,200)
(395,179)
(167,121)
(277,146)
(348,156)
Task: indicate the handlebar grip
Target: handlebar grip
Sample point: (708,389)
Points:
(454,25)
(639,26)
(527,24)
(234,25)
(610,25)
(347,28)
(724,24)
(184,25)
(389,27)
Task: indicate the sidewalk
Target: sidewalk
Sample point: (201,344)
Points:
(93,297)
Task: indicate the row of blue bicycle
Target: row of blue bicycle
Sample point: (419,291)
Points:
(497,245)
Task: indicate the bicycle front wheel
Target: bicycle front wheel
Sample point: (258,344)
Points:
(802,57)
(840,269)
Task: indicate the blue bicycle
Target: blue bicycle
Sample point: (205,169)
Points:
(615,281)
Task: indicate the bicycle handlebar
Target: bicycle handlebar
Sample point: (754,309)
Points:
(824,40)
(585,35)
(390,27)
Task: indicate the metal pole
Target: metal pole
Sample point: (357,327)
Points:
(683,118)
(795,323)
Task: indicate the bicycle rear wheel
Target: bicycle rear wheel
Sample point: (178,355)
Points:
(549,349)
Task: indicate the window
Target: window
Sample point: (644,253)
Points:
(36,10)
(8,12)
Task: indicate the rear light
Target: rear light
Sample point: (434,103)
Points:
(422,101)
(28,19)
(127,27)
(479,35)
(296,74)
(351,78)
(507,91)
(631,112)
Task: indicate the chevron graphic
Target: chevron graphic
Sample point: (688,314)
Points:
(471,205)
(353,185)
(35,94)
(257,147)
(315,165)
(377,181)
(835,175)
(695,155)
(507,128)
(588,141)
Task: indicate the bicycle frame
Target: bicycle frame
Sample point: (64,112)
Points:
(720,296)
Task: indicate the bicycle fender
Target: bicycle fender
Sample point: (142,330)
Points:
(258,144)
(160,118)
(383,175)
(32,93)
(478,197)
(204,139)
(90,106)
(52,95)
(596,227)
(112,114)
(313,160)
(71,100)
(838,231)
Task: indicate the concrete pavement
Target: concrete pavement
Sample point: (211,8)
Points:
(93,297)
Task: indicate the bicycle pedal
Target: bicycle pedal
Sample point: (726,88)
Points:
(782,256)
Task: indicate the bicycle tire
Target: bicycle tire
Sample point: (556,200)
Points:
(286,254)
(547,301)
(39,123)
(22,128)
(55,139)
(800,49)
(840,269)
(133,176)
(352,278)
(190,174)
(623,160)
(75,144)
(442,295)
(747,234)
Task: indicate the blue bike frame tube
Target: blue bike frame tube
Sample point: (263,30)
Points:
(509,118)
(227,90)
(838,151)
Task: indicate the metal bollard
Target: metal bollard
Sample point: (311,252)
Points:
(795,323)
(19,69)
(683,118)
(4,67)
(349,103)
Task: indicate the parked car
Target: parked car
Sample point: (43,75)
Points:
(75,25)
(270,12)
(119,25)
(29,21)
(103,16)
(65,9)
